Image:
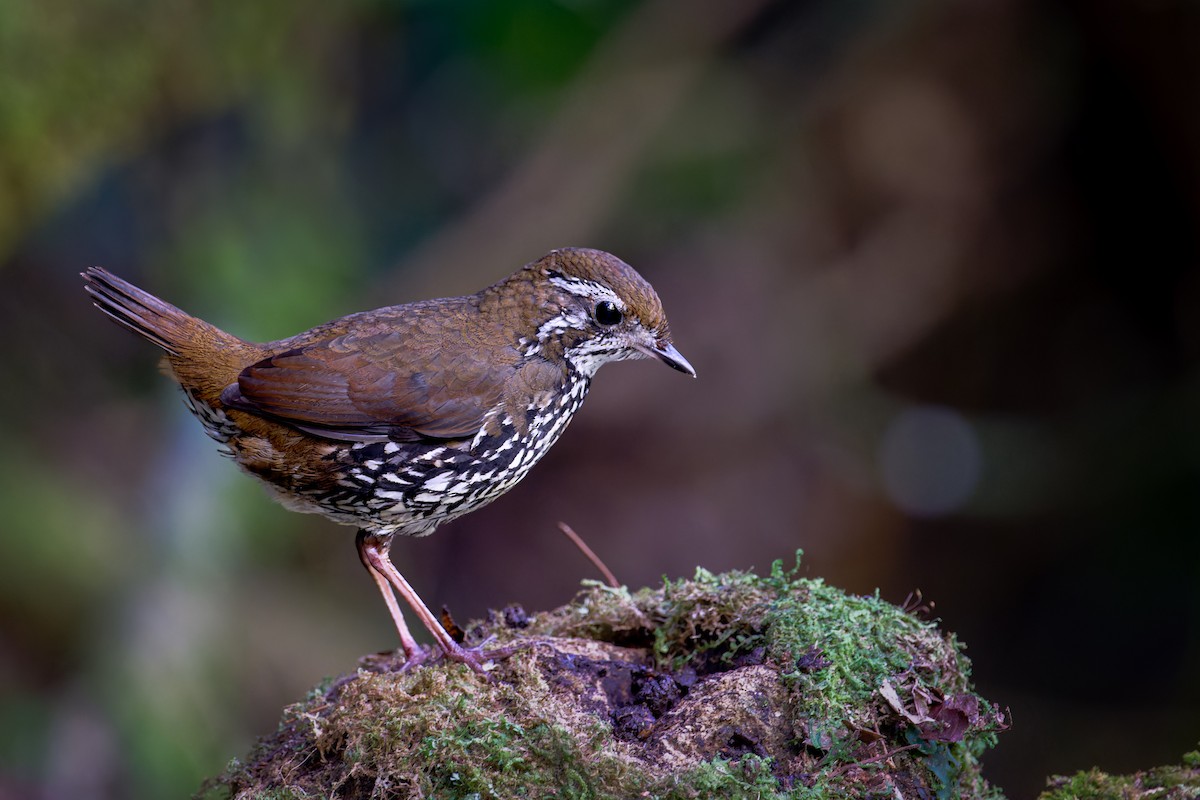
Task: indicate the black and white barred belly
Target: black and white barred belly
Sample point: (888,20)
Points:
(409,488)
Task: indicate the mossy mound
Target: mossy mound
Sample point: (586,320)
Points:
(727,685)
(1180,782)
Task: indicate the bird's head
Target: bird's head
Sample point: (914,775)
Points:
(602,310)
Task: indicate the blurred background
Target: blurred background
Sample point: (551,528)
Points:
(934,261)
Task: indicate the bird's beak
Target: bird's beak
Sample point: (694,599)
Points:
(669,356)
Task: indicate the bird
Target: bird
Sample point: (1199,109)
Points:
(401,418)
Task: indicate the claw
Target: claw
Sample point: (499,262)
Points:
(480,658)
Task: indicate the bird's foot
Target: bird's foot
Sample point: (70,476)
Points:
(397,660)
(481,658)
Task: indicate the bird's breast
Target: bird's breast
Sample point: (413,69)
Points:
(408,487)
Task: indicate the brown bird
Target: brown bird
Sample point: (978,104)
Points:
(398,419)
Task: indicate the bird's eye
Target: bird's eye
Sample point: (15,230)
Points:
(607,313)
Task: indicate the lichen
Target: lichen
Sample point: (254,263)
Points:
(725,685)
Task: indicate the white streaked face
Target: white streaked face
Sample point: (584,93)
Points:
(614,333)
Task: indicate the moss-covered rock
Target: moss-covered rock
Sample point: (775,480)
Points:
(729,685)
(1181,782)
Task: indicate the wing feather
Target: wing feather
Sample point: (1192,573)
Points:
(405,382)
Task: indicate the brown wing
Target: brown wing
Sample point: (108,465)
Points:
(404,385)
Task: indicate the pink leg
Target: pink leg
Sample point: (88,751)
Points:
(413,653)
(374,553)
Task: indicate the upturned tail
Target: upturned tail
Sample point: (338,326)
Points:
(141,312)
(202,357)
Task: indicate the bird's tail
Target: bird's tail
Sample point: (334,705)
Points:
(202,356)
(141,312)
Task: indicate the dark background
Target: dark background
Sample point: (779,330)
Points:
(935,263)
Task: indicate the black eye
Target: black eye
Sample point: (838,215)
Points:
(607,313)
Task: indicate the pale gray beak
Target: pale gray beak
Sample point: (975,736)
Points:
(669,356)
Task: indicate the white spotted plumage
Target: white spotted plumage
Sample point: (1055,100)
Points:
(410,488)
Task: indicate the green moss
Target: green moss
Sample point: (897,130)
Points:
(1160,783)
(749,777)
(729,685)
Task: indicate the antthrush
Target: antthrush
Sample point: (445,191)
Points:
(398,419)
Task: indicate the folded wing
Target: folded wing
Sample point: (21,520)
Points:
(360,386)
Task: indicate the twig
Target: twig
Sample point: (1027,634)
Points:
(881,757)
(587,551)
(915,604)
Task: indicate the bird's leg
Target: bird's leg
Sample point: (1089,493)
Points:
(374,553)
(413,653)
